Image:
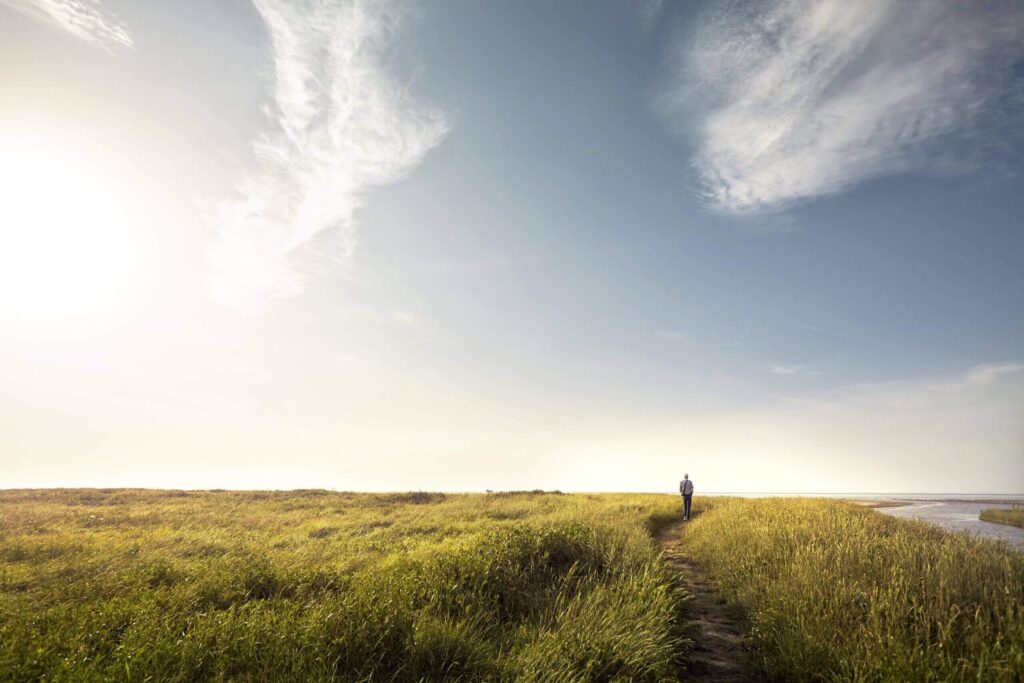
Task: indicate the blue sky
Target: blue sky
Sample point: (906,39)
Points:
(589,246)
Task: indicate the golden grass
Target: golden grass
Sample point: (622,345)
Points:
(838,592)
(1012,516)
(314,585)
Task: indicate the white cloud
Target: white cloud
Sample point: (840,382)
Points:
(404,319)
(940,434)
(673,335)
(797,369)
(982,384)
(988,373)
(800,98)
(342,126)
(85,19)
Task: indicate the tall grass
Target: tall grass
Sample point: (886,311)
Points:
(180,586)
(837,592)
(1012,516)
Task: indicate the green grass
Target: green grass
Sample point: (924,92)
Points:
(837,592)
(1013,516)
(180,586)
(314,585)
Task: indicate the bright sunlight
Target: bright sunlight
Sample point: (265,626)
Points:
(75,252)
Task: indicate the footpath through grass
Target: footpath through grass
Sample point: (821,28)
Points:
(838,592)
(176,586)
(1012,516)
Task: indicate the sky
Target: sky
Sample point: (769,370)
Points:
(589,246)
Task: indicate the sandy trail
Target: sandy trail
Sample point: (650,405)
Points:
(719,652)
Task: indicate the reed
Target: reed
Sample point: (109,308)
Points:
(837,592)
(316,585)
(1012,516)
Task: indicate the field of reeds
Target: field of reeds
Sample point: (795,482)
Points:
(1012,516)
(315,585)
(531,586)
(837,592)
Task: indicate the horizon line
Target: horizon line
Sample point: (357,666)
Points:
(218,489)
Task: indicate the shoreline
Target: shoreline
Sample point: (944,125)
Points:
(883,500)
(876,504)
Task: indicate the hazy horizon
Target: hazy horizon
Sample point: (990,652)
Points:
(589,246)
(927,495)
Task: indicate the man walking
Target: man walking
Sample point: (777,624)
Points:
(686,491)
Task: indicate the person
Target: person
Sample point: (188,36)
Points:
(686,491)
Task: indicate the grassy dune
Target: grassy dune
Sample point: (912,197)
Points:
(1014,516)
(836,592)
(136,585)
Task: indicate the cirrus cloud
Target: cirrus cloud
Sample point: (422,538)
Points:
(342,125)
(85,19)
(801,98)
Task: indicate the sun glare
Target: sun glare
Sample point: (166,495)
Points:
(75,250)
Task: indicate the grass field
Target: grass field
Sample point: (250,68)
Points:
(148,585)
(836,592)
(314,585)
(1014,516)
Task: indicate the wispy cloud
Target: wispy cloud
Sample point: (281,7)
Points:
(798,98)
(674,335)
(83,18)
(342,125)
(783,369)
(923,434)
(649,10)
(685,338)
(990,372)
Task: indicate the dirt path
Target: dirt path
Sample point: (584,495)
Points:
(718,652)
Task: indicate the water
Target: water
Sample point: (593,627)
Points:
(960,516)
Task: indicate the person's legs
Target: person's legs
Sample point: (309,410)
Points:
(686,506)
